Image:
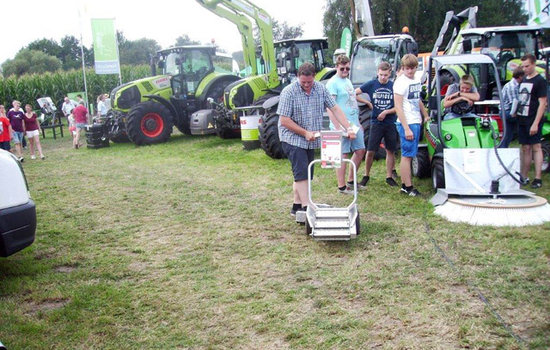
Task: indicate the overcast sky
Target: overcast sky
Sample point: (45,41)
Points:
(27,20)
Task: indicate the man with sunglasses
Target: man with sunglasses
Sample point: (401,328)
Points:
(341,88)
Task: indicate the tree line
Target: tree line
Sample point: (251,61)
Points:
(424,18)
(48,55)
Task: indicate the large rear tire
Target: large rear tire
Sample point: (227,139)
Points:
(545,145)
(420,165)
(269,136)
(148,123)
(438,173)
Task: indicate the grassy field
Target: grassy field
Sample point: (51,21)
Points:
(189,245)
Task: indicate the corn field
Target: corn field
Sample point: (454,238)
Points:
(29,88)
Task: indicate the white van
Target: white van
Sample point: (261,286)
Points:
(17,209)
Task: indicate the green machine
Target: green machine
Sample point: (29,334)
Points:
(240,95)
(147,109)
(290,56)
(459,133)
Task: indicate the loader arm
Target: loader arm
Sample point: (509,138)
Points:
(265,27)
(245,29)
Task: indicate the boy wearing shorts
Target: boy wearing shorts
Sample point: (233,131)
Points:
(410,110)
(341,88)
(383,119)
(532,105)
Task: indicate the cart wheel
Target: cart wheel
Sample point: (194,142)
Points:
(308,228)
(357,225)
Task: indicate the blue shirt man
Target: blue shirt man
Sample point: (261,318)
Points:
(342,90)
(383,117)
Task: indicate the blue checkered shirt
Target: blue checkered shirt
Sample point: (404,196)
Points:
(510,92)
(305,110)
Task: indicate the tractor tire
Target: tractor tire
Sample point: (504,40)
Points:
(438,173)
(545,145)
(420,165)
(269,136)
(148,123)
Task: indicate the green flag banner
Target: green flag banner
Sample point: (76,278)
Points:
(345,41)
(105,46)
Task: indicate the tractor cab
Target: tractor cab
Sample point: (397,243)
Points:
(187,67)
(368,52)
(292,53)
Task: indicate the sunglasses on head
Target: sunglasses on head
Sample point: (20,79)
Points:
(347,69)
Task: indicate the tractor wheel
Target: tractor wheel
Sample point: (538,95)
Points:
(545,145)
(149,122)
(381,153)
(269,136)
(184,125)
(420,165)
(438,173)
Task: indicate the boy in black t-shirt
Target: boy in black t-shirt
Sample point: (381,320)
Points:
(532,104)
(382,122)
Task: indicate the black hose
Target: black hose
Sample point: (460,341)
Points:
(521,180)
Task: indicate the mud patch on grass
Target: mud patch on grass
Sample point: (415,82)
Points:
(46,305)
(65,268)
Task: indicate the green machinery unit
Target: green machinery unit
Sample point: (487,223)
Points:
(459,133)
(147,109)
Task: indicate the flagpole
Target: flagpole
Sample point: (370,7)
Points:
(83,60)
(118,54)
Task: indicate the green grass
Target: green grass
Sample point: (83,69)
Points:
(189,244)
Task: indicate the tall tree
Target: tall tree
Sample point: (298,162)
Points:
(30,61)
(424,18)
(184,39)
(281,31)
(337,16)
(139,51)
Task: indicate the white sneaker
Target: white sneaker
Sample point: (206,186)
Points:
(33,157)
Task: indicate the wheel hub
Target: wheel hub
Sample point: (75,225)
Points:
(152,125)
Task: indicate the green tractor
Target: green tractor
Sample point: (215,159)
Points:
(466,132)
(291,54)
(245,95)
(147,109)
